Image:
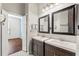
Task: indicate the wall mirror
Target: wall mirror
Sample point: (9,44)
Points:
(63,21)
(44,24)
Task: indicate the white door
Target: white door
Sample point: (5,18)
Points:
(0,40)
(5,35)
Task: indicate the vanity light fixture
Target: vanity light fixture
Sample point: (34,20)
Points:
(48,6)
(51,6)
(56,4)
(43,10)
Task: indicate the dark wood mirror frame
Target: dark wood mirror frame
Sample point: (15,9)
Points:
(73,6)
(39,25)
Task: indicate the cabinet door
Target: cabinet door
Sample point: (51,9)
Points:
(34,47)
(40,48)
(58,52)
(62,52)
(49,50)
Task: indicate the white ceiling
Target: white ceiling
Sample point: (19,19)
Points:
(18,8)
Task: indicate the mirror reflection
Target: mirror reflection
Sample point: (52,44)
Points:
(43,24)
(61,22)
(64,21)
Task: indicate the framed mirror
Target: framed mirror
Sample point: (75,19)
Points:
(44,24)
(63,21)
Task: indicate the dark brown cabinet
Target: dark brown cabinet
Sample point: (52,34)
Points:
(40,48)
(49,50)
(56,51)
(34,47)
(37,48)
(62,52)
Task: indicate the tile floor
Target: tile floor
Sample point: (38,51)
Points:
(21,53)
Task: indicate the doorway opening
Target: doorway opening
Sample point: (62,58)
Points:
(16,33)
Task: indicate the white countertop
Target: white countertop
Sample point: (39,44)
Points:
(58,43)
(40,38)
(62,44)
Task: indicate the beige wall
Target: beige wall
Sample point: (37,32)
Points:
(32,19)
(0,7)
(0,34)
(77,52)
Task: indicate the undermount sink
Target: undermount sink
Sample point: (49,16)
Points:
(62,44)
(40,38)
(55,40)
(69,44)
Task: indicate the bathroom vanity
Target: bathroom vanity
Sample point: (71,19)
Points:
(38,45)
(51,50)
(52,47)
